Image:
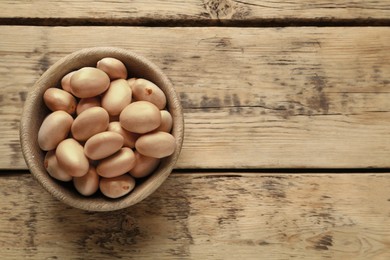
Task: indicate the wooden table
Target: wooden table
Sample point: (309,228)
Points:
(287,142)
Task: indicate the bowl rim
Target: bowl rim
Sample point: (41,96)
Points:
(33,104)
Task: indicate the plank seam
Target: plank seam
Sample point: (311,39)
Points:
(285,170)
(268,22)
(237,171)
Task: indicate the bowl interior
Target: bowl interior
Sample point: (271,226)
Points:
(35,111)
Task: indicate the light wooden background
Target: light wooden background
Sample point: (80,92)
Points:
(287,118)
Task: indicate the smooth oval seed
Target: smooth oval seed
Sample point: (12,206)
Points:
(129,137)
(117,164)
(156,144)
(144,165)
(86,103)
(114,68)
(102,145)
(140,117)
(70,156)
(117,97)
(117,187)
(131,81)
(90,122)
(89,82)
(52,167)
(65,82)
(148,91)
(55,128)
(58,99)
(88,184)
(166,122)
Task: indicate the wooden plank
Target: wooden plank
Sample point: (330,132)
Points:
(208,216)
(254,97)
(137,11)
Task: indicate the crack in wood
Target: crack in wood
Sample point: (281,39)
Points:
(204,21)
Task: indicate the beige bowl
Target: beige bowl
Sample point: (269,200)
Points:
(35,111)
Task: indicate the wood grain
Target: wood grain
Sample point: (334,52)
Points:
(225,11)
(254,97)
(208,216)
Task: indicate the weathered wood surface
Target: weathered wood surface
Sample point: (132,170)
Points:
(137,12)
(254,97)
(207,216)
